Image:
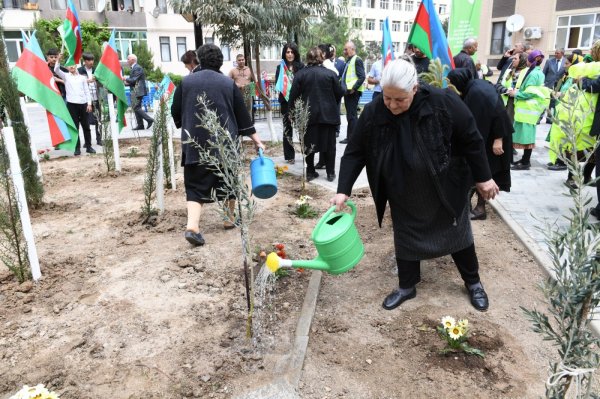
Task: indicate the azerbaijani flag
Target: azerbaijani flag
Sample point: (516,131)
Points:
(35,80)
(71,34)
(109,74)
(58,129)
(387,48)
(283,81)
(165,89)
(428,35)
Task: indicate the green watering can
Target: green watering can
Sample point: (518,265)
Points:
(337,241)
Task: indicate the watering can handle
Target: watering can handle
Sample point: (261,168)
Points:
(331,210)
(260,154)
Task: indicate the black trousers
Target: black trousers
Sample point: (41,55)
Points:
(288,148)
(351,103)
(597,157)
(327,155)
(409,271)
(140,114)
(95,118)
(80,116)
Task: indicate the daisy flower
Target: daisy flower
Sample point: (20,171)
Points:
(464,323)
(448,322)
(455,332)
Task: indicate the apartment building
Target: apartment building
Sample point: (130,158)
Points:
(551,24)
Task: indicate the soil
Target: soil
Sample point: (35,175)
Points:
(131,310)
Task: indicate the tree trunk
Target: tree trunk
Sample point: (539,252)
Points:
(261,93)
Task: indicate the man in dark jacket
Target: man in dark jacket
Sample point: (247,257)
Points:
(463,59)
(137,82)
(88,69)
(593,86)
(351,80)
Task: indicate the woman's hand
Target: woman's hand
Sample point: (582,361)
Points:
(497,146)
(339,200)
(260,145)
(487,189)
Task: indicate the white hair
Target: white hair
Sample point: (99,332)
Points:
(133,57)
(400,74)
(469,42)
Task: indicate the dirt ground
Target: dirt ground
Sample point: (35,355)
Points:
(130,310)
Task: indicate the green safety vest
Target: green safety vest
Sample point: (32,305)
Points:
(529,111)
(351,77)
(507,82)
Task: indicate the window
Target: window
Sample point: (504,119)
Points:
(356,3)
(165,48)
(162,6)
(357,23)
(11,4)
(397,5)
(407,25)
(226,52)
(408,6)
(442,9)
(14,45)
(181,46)
(384,4)
(370,24)
(500,38)
(125,40)
(87,5)
(396,26)
(209,40)
(58,4)
(397,48)
(381,23)
(577,31)
(370,3)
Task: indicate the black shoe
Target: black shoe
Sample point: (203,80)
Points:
(90,150)
(311,176)
(557,166)
(595,213)
(330,177)
(520,166)
(395,299)
(516,162)
(77,152)
(138,128)
(194,238)
(99,142)
(479,298)
(150,124)
(320,166)
(345,141)
(478,216)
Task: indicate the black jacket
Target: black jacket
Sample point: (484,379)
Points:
(464,60)
(320,88)
(296,65)
(449,140)
(593,86)
(137,81)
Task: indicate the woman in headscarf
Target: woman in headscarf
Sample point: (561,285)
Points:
(417,144)
(493,124)
(228,102)
(529,98)
(290,62)
(512,78)
(320,90)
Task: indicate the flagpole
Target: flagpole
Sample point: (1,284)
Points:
(17,178)
(34,153)
(160,178)
(115,130)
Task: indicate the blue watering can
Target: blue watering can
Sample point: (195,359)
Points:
(262,174)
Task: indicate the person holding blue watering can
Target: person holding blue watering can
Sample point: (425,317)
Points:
(421,148)
(227,100)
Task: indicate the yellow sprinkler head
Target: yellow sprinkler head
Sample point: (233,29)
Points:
(272,262)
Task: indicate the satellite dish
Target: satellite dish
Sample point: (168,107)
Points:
(156,12)
(101,5)
(515,23)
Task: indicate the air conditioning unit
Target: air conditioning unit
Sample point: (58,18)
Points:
(533,32)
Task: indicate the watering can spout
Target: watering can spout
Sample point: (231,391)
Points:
(274,263)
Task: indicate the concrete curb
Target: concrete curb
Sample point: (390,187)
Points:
(540,255)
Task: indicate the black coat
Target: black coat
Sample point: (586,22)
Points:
(320,89)
(593,86)
(493,122)
(464,60)
(137,81)
(448,139)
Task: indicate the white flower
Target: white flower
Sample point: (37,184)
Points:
(448,322)
(455,332)
(464,323)
(303,200)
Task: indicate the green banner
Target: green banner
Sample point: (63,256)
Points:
(464,23)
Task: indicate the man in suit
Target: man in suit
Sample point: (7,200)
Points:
(352,84)
(137,82)
(554,69)
(88,70)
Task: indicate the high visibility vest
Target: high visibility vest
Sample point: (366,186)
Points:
(529,111)
(350,74)
(507,82)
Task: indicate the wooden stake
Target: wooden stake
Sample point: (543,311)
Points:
(114,127)
(34,153)
(17,178)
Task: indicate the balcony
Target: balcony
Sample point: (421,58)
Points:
(20,5)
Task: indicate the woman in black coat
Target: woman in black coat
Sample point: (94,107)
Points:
(417,143)
(320,89)
(291,57)
(494,125)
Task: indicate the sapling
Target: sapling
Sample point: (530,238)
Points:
(572,290)
(103,119)
(300,114)
(225,155)
(160,126)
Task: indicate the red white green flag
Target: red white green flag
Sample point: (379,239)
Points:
(70,33)
(35,80)
(108,72)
